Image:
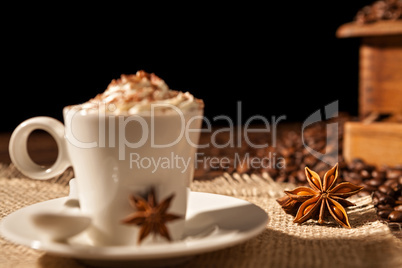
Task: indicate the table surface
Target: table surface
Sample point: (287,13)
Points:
(43,150)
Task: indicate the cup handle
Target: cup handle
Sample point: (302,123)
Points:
(19,152)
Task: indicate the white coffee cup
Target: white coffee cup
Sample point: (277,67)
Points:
(115,156)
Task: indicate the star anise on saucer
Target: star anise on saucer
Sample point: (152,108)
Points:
(150,216)
(323,197)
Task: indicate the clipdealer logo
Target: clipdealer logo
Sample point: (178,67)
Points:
(331,149)
(236,132)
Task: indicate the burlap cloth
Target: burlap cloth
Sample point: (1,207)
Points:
(370,243)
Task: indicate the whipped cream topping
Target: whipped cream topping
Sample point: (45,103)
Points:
(133,94)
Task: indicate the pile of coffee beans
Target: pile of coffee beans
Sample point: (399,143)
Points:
(380,10)
(293,150)
(385,183)
(297,149)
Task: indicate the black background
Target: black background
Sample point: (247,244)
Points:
(279,59)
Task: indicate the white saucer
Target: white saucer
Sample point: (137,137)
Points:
(213,222)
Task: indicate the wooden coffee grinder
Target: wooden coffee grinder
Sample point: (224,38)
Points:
(377,141)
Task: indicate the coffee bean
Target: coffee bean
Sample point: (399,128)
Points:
(378,174)
(370,168)
(398,208)
(386,190)
(365,174)
(299,156)
(351,176)
(376,200)
(291,168)
(379,194)
(374,182)
(214,151)
(386,200)
(301,176)
(357,182)
(384,213)
(393,174)
(395,216)
(356,165)
(385,207)
(310,160)
(287,152)
(396,187)
(368,187)
(342,163)
(388,182)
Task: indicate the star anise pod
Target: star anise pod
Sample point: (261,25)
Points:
(289,205)
(150,215)
(324,196)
